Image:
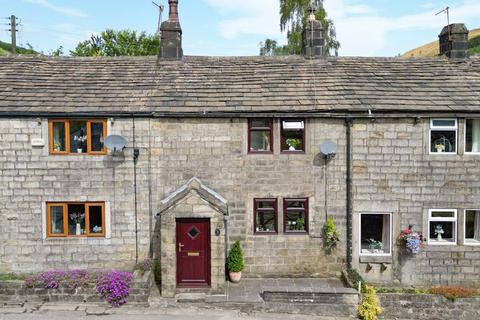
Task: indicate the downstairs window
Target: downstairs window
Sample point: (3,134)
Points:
(75,219)
(472,227)
(376,234)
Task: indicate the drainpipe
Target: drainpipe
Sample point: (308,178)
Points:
(225,225)
(136,154)
(348,123)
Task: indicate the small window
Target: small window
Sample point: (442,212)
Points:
(472,136)
(77,136)
(265,216)
(376,234)
(76,219)
(295,215)
(260,136)
(472,227)
(443,136)
(442,226)
(293,135)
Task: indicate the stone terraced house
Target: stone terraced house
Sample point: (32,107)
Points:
(228,148)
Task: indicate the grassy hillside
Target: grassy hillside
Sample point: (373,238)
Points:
(431,49)
(6,48)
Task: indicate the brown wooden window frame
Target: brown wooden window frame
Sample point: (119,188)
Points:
(283,139)
(251,129)
(66,123)
(304,209)
(256,210)
(65,220)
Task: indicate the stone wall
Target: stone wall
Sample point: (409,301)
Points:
(394,172)
(428,307)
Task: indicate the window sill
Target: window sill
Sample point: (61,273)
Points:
(260,152)
(293,152)
(295,233)
(376,259)
(471,243)
(441,243)
(259,233)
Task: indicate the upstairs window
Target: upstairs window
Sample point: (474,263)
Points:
(293,135)
(472,227)
(443,136)
(260,136)
(77,136)
(265,216)
(376,234)
(442,226)
(295,215)
(472,136)
(76,219)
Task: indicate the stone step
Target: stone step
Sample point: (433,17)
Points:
(319,309)
(190,297)
(310,297)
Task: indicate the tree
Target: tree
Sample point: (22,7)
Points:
(118,43)
(293,15)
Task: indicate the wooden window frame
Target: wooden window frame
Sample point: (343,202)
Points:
(251,129)
(66,123)
(285,209)
(65,234)
(256,210)
(282,136)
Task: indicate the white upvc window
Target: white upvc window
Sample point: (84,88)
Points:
(472,227)
(375,236)
(472,136)
(443,136)
(442,226)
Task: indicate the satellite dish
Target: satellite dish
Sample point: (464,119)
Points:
(115,142)
(328,148)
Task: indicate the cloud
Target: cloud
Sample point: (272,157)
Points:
(63,10)
(367,33)
(248,17)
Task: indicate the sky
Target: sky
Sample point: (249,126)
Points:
(236,27)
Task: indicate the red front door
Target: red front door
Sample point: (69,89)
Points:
(193,253)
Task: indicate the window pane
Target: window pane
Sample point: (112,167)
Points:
(97,136)
(260,123)
(265,222)
(78,136)
(292,135)
(472,135)
(472,225)
(443,141)
(442,231)
(443,123)
(375,233)
(265,205)
(59,136)
(260,141)
(441,214)
(76,219)
(296,204)
(95,219)
(295,222)
(56,220)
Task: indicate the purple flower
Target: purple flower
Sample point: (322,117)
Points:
(114,286)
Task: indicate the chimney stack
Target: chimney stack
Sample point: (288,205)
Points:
(171,41)
(313,37)
(454,41)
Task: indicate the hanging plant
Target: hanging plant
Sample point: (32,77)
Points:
(330,235)
(412,241)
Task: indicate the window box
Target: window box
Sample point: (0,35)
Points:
(375,236)
(472,227)
(295,216)
(472,136)
(75,219)
(265,216)
(293,136)
(260,136)
(77,136)
(443,136)
(442,227)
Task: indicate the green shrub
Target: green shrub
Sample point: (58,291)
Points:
(369,309)
(401,290)
(353,279)
(330,235)
(11,276)
(235,258)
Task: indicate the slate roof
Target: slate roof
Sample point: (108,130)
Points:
(206,85)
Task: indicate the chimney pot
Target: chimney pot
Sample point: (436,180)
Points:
(454,41)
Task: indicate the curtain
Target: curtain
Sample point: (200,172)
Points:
(476,226)
(476,135)
(386,233)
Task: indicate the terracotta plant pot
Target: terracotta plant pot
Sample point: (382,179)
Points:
(235,276)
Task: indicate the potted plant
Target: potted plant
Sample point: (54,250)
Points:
(375,246)
(235,262)
(439,231)
(77,218)
(81,141)
(413,241)
(330,235)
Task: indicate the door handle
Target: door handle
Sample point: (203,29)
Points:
(180,246)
